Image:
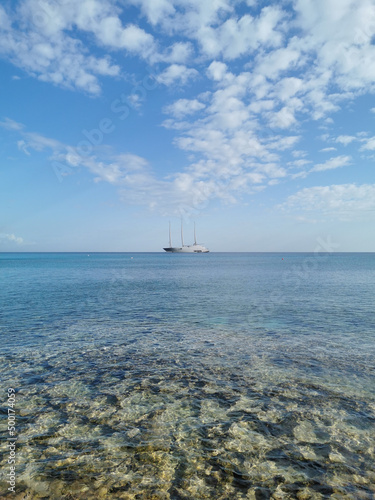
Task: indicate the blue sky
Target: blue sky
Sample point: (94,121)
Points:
(254,119)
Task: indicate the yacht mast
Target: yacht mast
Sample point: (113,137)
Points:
(170,239)
(195,238)
(182,235)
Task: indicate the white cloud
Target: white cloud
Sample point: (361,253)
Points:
(262,105)
(277,61)
(345,201)
(235,38)
(117,170)
(179,52)
(283,118)
(337,162)
(327,150)
(11,124)
(341,32)
(299,163)
(37,142)
(331,164)
(155,11)
(194,18)
(176,73)
(297,153)
(217,70)
(110,32)
(184,107)
(214,25)
(369,144)
(11,238)
(61,60)
(132,174)
(46,39)
(345,139)
(288,87)
(23,146)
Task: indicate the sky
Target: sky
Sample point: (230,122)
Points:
(254,119)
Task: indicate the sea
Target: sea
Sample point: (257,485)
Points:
(187,376)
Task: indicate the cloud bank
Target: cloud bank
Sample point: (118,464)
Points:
(249,77)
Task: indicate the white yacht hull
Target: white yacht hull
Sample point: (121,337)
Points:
(187,249)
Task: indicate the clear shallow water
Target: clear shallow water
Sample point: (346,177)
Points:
(190,376)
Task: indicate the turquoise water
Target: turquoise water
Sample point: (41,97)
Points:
(171,376)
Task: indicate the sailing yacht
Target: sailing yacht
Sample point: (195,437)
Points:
(195,248)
